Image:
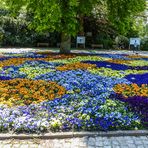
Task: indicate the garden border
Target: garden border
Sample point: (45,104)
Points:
(63,135)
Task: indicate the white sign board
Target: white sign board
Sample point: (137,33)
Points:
(135,41)
(80,40)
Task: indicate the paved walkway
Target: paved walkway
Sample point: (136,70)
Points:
(23,50)
(85,142)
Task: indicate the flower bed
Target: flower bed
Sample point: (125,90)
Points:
(25,92)
(41,92)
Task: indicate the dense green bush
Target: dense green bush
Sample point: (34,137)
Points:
(144,44)
(14,32)
(107,43)
(122,42)
(104,39)
(102,30)
(1,37)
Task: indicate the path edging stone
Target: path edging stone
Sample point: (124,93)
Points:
(64,135)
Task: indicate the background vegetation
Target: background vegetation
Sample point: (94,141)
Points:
(111,22)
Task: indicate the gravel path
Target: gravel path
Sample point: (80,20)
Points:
(85,142)
(17,50)
(23,50)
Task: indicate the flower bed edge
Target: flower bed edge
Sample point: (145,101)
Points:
(64,135)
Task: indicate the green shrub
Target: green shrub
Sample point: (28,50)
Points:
(1,37)
(107,43)
(122,42)
(144,44)
(104,39)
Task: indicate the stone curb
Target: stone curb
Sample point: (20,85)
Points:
(64,135)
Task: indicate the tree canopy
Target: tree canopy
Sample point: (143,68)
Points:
(64,15)
(122,12)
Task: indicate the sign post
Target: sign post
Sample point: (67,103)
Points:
(80,40)
(135,42)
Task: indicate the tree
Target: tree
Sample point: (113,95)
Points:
(66,16)
(123,12)
(59,15)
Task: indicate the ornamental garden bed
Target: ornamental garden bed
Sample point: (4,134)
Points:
(44,92)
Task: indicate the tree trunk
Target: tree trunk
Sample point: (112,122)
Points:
(81,21)
(65,43)
(81,29)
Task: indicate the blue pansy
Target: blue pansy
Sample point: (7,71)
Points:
(106,64)
(138,78)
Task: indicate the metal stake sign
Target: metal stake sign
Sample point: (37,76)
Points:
(80,40)
(135,42)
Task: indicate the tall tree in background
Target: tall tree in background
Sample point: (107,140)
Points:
(122,12)
(56,15)
(66,16)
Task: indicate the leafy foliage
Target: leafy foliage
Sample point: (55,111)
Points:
(122,12)
(62,16)
(14,30)
(54,14)
(144,45)
(66,17)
